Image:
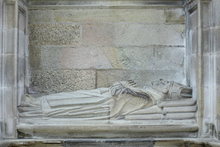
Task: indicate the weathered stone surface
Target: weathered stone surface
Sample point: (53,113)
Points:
(55,34)
(10,48)
(216,43)
(110,15)
(206,15)
(206,40)
(9,111)
(206,70)
(55,57)
(143,35)
(106,78)
(148,58)
(98,34)
(62,80)
(9,70)
(174,16)
(40,16)
(151,58)
(11,16)
(216,12)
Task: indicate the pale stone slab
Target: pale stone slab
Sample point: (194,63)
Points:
(143,35)
(136,58)
(109,15)
(98,34)
(40,16)
(55,34)
(151,58)
(62,80)
(56,57)
(106,78)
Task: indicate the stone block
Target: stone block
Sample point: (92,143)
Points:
(206,41)
(107,15)
(206,70)
(206,14)
(98,34)
(55,34)
(106,78)
(174,16)
(11,16)
(143,35)
(147,58)
(216,43)
(216,12)
(53,57)
(10,43)
(9,70)
(40,16)
(62,80)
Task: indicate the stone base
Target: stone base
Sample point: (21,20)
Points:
(166,142)
(106,131)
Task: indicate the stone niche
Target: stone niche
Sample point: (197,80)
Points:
(85,46)
(109,69)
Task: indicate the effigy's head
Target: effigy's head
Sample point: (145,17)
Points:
(171,89)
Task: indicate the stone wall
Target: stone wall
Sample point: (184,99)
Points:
(75,48)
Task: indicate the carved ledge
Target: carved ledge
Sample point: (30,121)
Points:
(107,131)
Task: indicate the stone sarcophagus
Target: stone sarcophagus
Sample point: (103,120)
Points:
(163,106)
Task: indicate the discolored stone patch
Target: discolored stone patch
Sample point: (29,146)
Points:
(54,34)
(62,80)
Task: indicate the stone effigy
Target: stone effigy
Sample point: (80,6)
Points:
(123,100)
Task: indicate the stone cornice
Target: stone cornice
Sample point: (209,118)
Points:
(104,3)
